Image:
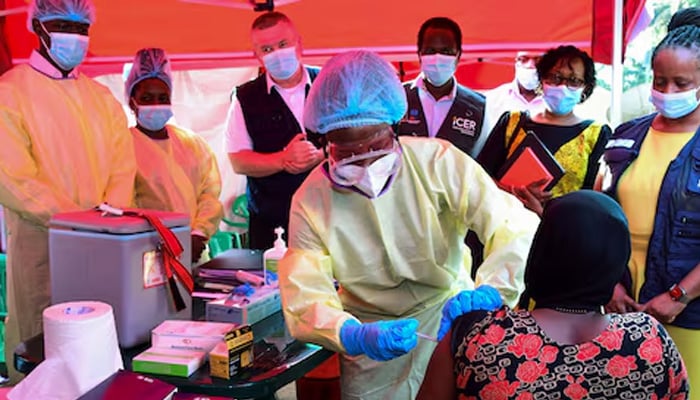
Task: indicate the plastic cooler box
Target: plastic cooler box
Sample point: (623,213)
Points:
(115,259)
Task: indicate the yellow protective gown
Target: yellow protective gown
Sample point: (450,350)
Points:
(179,174)
(397,256)
(64,146)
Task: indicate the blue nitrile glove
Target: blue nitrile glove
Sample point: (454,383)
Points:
(244,290)
(380,340)
(484,297)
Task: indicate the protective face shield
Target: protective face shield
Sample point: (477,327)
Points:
(154,117)
(370,179)
(561,100)
(438,68)
(282,63)
(67,50)
(675,105)
(527,77)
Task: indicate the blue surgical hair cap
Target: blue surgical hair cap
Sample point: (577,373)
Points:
(68,10)
(353,89)
(148,63)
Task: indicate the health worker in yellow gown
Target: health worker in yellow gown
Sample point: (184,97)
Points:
(177,170)
(385,217)
(65,146)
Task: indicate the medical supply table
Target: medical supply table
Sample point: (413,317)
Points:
(271,368)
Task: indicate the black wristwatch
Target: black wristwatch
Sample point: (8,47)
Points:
(678,294)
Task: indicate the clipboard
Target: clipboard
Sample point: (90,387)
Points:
(531,161)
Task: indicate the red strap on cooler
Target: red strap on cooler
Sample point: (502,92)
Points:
(171,250)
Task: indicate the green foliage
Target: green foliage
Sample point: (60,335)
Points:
(637,65)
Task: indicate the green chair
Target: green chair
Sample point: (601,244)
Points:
(239,209)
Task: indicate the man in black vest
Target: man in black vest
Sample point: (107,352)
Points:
(265,139)
(438,106)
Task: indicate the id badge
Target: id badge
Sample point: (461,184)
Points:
(153,271)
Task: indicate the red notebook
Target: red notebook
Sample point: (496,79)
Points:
(530,162)
(125,384)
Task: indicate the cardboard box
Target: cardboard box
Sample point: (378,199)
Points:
(190,335)
(165,361)
(245,310)
(232,355)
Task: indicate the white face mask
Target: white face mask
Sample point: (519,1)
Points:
(675,105)
(527,77)
(438,68)
(282,63)
(370,179)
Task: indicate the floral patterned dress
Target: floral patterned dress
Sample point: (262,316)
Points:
(508,356)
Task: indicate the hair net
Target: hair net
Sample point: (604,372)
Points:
(148,63)
(579,253)
(69,10)
(356,88)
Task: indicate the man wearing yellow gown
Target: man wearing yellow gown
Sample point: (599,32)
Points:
(177,170)
(65,147)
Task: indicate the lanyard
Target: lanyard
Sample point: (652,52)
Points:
(171,249)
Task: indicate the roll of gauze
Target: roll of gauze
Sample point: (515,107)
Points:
(80,349)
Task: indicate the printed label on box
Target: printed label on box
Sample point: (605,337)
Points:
(153,273)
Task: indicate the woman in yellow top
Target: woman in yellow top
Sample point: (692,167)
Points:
(177,171)
(567,75)
(652,167)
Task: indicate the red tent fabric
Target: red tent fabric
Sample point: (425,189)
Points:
(201,36)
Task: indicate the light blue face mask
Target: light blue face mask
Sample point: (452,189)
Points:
(675,105)
(282,63)
(153,118)
(438,68)
(561,100)
(67,50)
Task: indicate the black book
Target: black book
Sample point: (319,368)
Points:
(530,162)
(125,384)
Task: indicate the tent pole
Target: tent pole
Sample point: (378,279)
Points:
(617,68)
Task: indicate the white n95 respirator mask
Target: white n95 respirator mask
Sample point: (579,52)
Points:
(371,180)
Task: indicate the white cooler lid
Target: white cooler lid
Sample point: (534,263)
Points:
(93,221)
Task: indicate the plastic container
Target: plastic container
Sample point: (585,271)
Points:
(272,256)
(114,260)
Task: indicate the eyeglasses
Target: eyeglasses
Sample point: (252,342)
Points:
(572,82)
(378,141)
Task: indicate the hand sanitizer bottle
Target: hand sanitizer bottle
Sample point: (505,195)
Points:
(272,256)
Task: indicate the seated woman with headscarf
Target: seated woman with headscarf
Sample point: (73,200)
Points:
(177,170)
(565,347)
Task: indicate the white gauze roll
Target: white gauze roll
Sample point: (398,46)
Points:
(80,351)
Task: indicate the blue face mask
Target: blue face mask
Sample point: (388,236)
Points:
(154,118)
(438,68)
(282,63)
(67,50)
(675,105)
(561,100)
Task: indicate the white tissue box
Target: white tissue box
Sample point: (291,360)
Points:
(244,310)
(165,361)
(189,335)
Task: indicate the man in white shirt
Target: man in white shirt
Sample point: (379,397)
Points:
(265,137)
(520,94)
(438,106)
